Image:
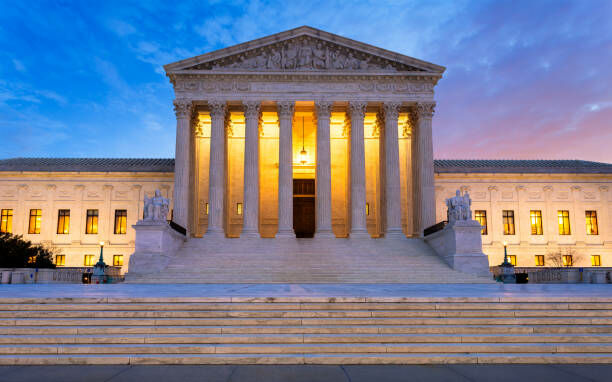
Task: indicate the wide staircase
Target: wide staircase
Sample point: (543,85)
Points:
(310,330)
(306,261)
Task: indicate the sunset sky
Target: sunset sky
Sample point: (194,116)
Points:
(524,79)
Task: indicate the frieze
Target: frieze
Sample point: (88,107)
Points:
(328,85)
(305,53)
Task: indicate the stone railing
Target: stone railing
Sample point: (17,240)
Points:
(563,275)
(63,275)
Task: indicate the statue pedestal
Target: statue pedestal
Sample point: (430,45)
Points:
(155,243)
(459,244)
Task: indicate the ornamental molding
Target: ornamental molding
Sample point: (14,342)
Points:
(304,49)
(196,85)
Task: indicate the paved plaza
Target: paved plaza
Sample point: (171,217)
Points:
(310,373)
(307,290)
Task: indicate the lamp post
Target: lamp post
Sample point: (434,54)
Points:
(100,267)
(507,275)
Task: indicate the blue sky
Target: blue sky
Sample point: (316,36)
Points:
(524,79)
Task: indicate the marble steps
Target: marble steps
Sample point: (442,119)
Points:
(581,314)
(314,359)
(350,330)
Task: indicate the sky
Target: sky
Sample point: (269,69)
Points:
(524,79)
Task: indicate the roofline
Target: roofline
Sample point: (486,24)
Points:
(172,68)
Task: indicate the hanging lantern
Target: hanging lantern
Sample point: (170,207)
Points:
(303,153)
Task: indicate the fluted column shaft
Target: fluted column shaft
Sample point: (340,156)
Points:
(393,213)
(357,158)
(216,187)
(182,109)
(323,227)
(424,207)
(285,169)
(250,225)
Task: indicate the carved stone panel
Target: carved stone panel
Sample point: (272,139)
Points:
(305,53)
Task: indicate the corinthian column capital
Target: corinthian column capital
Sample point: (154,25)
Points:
(391,110)
(357,109)
(323,108)
(425,109)
(217,108)
(182,108)
(285,109)
(251,109)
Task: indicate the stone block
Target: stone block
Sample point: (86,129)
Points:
(459,244)
(155,243)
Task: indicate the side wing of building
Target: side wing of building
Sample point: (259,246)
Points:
(535,206)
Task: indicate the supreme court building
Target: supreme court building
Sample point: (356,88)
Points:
(306,157)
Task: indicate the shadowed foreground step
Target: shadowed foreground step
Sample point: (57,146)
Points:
(305,330)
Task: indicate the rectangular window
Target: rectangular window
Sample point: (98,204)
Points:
(481,217)
(564,224)
(63,222)
(239,208)
(6,224)
(568,260)
(60,260)
(539,260)
(591,223)
(118,260)
(596,260)
(367,209)
(88,261)
(206,208)
(512,259)
(35,220)
(508,217)
(31,259)
(91,224)
(536,222)
(120,222)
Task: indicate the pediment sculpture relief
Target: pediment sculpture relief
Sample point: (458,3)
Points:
(305,53)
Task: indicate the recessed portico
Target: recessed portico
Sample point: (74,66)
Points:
(304,104)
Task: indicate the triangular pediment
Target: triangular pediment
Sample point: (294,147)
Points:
(303,49)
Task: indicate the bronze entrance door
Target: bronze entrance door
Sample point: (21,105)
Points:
(304,207)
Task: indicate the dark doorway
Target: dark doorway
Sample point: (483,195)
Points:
(304,207)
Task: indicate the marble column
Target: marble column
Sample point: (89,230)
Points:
(393,212)
(357,158)
(216,173)
(285,169)
(250,226)
(182,109)
(323,227)
(424,204)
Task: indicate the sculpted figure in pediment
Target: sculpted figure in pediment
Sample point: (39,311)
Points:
(338,60)
(305,60)
(274,60)
(291,56)
(319,60)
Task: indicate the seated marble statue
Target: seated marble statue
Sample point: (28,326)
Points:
(459,207)
(156,208)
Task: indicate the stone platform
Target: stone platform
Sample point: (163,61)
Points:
(304,324)
(320,260)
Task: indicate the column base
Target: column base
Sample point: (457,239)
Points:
(359,234)
(395,233)
(214,233)
(324,234)
(285,234)
(250,234)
